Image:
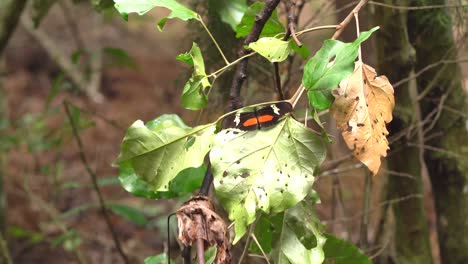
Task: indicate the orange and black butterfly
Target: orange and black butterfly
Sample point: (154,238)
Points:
(257,117)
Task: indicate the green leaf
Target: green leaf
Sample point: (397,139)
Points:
(301,240)
(132,214)
(142,6)
(185,57)
(272,27)
(210,255)
(194,94)
(322,74)
(268,169)
(40,8)
(339,251)
(273,49)
(119,57)
(158,152)
(158,259)
(230,11)
(268,228)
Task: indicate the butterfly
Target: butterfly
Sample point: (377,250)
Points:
(257,117)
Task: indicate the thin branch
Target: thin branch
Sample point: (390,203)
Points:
(63,61)
(200,243)
(94,180)
(416,7)
(356,18)
(390,202)
(348,18)
(6,257)
(363,240)
(299,33)
(277,80)
(260,247)
(214,40)
(428,67)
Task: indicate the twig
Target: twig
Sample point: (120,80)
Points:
(277,79)
(391,201)
(200,243)
(6,257)
(428,67)
(73,27)
(94,180)
(247,242)
(260,247)
(363,240)
(213,39)
(348,18)
(416,7)
(73,72)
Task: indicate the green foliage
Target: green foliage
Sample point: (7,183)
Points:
(142,6)
(210,255)
(162,149)
(230,11)
(339,251)
(273,49)
(328,67)
(194,94)
(272,27)
(269,169)
(131,214)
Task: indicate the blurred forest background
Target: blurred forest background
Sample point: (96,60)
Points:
(113,72)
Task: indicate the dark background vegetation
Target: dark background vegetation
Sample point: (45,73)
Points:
(419,202)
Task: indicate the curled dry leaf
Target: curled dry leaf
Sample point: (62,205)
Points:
(363,105)
(197,219)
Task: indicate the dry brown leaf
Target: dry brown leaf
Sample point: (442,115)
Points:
(197,219)
(363,105)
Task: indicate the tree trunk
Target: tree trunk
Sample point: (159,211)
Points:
(445,146)
(396,60)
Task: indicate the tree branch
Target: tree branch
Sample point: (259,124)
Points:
(94,180)
(241,70)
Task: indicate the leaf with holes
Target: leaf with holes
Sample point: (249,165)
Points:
(272,27)
(363,106)
(194,94)
(162,149)
(269,169)
(142,6)
(331,64)
(273,49)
